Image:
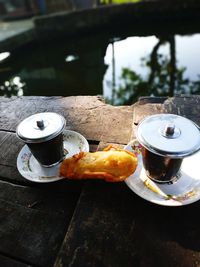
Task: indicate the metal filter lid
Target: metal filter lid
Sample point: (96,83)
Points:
(169,135)
(40,127)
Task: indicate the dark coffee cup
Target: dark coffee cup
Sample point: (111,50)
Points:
(43,134)
(50,152)
(165,143)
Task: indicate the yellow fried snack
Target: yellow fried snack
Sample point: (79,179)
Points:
(111,165)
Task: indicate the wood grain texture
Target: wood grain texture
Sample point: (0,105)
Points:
(143,109)
(91,223)
(111,226)
(10,147)
(8,262)
(88,115)
(187,106)
(33,221)
(105,234)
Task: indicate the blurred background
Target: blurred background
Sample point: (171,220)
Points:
(118,49)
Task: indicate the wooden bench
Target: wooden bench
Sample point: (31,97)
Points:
(90,223)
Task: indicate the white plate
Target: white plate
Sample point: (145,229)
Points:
(185,190)
(30,169)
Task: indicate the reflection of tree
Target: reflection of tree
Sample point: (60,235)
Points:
(164,78)
(156,67)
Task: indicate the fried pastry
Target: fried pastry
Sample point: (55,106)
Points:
(112,165)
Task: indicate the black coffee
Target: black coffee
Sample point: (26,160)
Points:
(160,168)
(49,152)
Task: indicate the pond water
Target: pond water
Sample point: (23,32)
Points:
(119,68)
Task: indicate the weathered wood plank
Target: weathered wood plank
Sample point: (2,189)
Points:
(143,110)
(8,262)
(33,221)
(187,106)
(11,174)
(102,231)
(15,34)
(85,114)
(111,226)
(10,147)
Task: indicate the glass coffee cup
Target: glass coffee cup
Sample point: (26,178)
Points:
(166,139)
(43,134)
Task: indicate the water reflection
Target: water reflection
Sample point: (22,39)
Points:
(122,69)
(12,87)
(63,68)
(4,55)
(161,75)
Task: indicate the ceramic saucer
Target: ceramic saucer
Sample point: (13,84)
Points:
(185,190)
(30,168)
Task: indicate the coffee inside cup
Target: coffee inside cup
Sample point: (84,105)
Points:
(166,140)
(159,168)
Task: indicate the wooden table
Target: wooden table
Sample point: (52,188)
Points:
(90,223)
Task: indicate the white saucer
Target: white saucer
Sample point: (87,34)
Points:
(30,168)
(183,191)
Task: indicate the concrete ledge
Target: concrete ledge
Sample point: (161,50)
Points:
(139,19)
(144,18)
(16,33)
